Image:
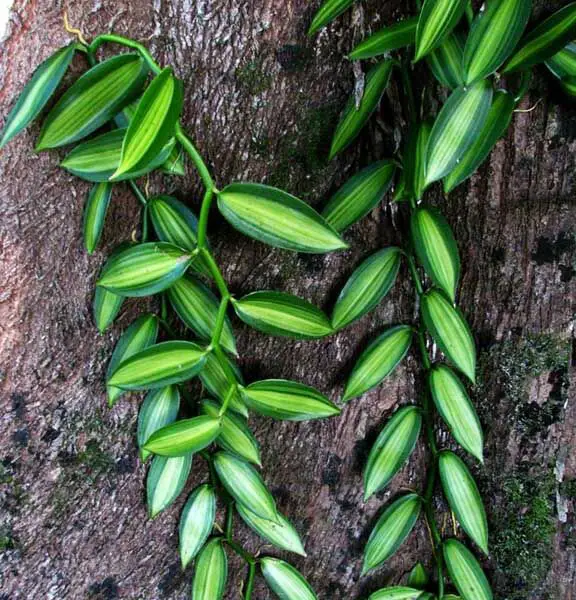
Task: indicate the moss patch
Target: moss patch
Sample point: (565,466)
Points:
(252,78)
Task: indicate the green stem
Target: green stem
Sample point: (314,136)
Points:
(408,91)
(118,39)
(196,159)
(229,520)
(137,192)
(250,581)
(249,558)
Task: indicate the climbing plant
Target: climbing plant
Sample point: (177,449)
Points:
(483,64)
(123,118)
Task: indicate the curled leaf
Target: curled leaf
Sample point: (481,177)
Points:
(166,479)
(196,522)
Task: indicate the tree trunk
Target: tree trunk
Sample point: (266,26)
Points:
(262,100)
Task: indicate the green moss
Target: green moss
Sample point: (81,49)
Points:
(523,533)
(568,489)
(7,541)
(252,78)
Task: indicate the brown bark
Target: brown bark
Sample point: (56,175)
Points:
(261,103)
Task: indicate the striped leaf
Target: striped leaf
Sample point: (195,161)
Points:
(95,213)
(105,308)
(288,400)
(418,577)
(495,33)
(278,313)
(160,408)
(390,531)
(367,286)
(495,126)
(235,435)
(93,100)
(196,523)
(563,64)
(245,485)
(451,597)
(328,11)
(174,222)
(144,269)
(465,572)
(285,581)
(545,40)
(436,248)
(184,436)
(198,308)
(359,195)
(456,128)
(215,380)
(464,498)
(281,534)
(446,61)
(568,86)
(140,335)
(97,159)
(211,572)
(392,449)
(396,593)
(393,37)
(159,366)
(37,92)
(450,331)
(153,125)
(456,409)
(277,218)
(437,20)
(378,360)
(354,118)
(166,479)
(414,159)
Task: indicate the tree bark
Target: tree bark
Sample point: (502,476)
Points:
(261,103)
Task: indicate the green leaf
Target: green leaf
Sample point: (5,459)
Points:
(328,11)
(456,409)
(393,37)
(437,20)
(153,124)
(196,523)
(97,159)
(184,436)
(495,33)
(281,534)
(166,479)
(563,64)
(93,100)
(245,485)
(456,128)
(105,308)
(396,593)
(198,308)
(359,195)
(414,159)
(418,577)
(285,581)
(450,331)
(496,124)
(95,213)
(159,365)
(278,313)
(141,334)
(391,529)
(392,449)
(568,86)
(367,286)
(445,61)
(436,248)
(211,572)
(160,408)
(235,435)
(288,400)
(144,269)
(378,360)
(465,572)
(353,119)
(37,92)
(174,222)
(277,218)
(464,498)
(545,40)
(215,380)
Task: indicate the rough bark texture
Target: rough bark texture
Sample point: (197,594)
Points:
(262,100)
